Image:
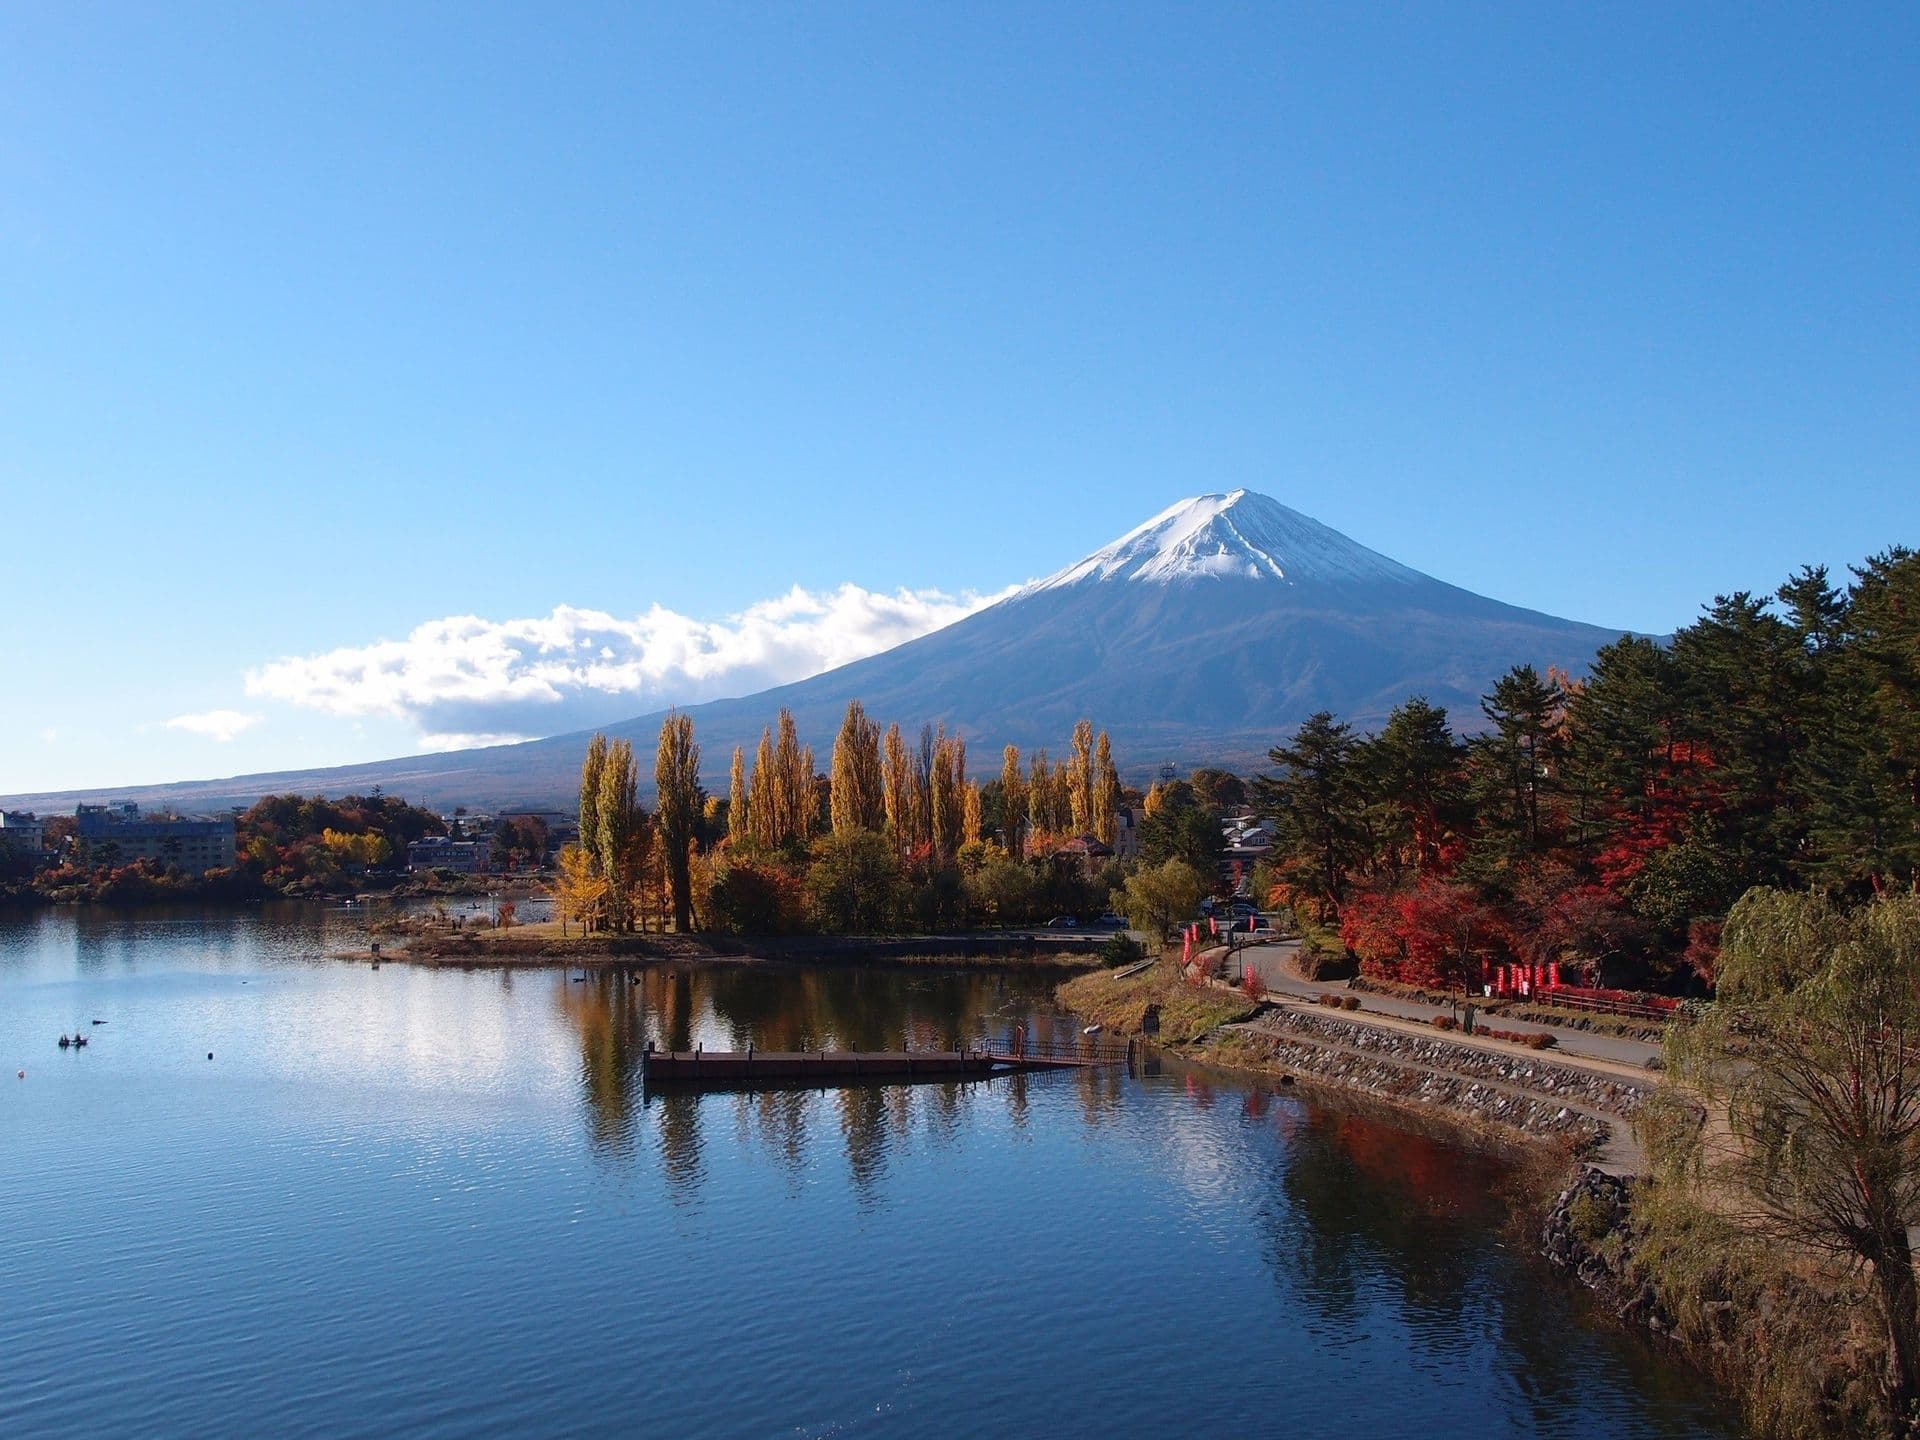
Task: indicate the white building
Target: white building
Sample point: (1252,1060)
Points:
(23,837)
(437,852)
(120,835)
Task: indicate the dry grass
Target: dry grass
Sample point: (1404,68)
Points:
(1798,1341)
(1186,1011)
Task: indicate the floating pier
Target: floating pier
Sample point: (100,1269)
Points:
(753,1069)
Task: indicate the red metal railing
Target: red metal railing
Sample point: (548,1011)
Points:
(1607,1002)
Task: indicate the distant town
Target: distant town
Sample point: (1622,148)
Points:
(472,843)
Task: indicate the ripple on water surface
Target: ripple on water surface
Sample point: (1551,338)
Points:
(434,1202)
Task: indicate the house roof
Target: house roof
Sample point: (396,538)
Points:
(1086,845)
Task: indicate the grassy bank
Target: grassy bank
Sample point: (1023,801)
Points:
(1186,1011)
(1791,1335)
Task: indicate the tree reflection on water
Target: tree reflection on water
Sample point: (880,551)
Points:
(783,1008)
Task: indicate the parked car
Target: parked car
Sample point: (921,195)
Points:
(1111,921)
(1248,924)
(1063,922)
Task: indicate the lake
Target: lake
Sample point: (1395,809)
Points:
(424,1202)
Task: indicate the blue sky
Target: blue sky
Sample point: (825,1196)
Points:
(320,326)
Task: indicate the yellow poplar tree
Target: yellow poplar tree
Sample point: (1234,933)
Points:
(1013,800)
(807,795)
(590,769)
(897,786)
(761,806)
(579,890)
(857,800)
(945,795)
(1039,793)
(1106,793)
(1080,778)
(619,838)
(738,819)
(792,782)
(676,774)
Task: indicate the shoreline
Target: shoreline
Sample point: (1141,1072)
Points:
(518,949)
(1584,1196)
(1581,1108)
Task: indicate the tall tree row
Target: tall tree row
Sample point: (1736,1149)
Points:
(897,833)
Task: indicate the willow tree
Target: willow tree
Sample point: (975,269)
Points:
(676,774)
(1013,800)
(857,799)
(1812,1051)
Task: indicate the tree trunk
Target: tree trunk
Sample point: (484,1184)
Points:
(1893,1278)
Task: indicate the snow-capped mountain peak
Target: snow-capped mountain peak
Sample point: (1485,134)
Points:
(1238,535)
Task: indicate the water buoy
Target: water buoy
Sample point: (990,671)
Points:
(20,1074)
(209,1054)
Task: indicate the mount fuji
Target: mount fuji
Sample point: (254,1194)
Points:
(1200,637)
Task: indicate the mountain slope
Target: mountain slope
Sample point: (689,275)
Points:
(1200,636)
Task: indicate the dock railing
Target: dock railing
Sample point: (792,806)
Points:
(1085,1049)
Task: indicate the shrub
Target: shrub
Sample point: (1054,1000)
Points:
(1251,985)
(1120,950)
(1589,1218)
(1445,1022)
(1323,957)
(1349,1002)
(1533,1040)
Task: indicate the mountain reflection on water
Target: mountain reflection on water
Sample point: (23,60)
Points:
(417,1201)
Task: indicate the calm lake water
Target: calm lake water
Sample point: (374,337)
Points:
(434,1202)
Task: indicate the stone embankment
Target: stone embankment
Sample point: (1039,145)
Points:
(1589,1234)
(1585,1109)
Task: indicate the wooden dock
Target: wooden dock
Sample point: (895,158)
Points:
(753,1069)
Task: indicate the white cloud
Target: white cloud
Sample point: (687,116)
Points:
(221,725)
(464,680)
(50,735)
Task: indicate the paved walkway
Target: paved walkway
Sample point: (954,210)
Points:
(1275,966)
(1606,1055)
